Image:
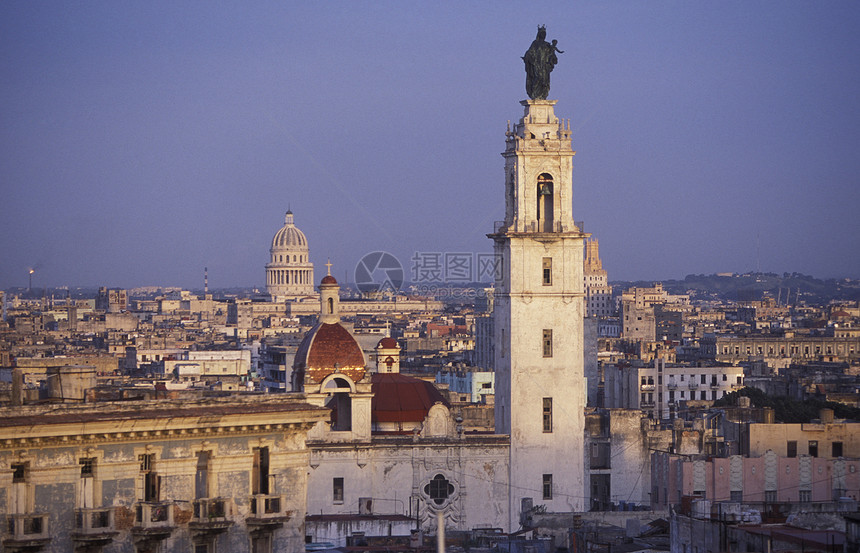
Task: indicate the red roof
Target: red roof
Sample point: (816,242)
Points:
(401,398)
(328,279)
(330,346)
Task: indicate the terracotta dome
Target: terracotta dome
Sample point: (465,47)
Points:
(328,348)
(387,343)
(399,398)
(328,279)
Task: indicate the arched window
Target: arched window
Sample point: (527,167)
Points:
(545,203)
(331,306)
(340,403)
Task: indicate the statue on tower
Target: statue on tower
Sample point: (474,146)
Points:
(540,59)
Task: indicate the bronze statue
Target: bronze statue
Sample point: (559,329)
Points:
(540,59)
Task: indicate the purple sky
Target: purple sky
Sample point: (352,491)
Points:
(142,141)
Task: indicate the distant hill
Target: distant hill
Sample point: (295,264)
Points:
(755,286)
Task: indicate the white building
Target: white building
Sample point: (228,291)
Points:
(476,384)
(289,272)
(661,389)
(539,310)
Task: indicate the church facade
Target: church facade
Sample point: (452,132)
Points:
(394,452)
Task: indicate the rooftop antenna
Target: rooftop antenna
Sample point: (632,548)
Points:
(205,280)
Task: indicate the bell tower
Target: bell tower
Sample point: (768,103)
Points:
(539,310)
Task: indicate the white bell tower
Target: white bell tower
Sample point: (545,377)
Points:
(539,310)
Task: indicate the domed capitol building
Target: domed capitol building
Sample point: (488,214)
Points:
(289,272)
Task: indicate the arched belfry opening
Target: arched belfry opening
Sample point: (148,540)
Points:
(545,202)
(340,402)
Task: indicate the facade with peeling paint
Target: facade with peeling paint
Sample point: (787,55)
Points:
(223,474)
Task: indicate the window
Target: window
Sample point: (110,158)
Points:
(703,378)
(547,486)
(547,271)
(201,476)
(837,449)
(805,496)
(439,489)
(337,490)
(737,496)
(547,414)
(703,394)
(770,496)
(547,342)
(260,475)
(725,377)
(813,448)
(19,472)
(150,478)
(87,467)
(261,543)
(791,448)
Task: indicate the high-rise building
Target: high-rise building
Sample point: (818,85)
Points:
(289,272)
(539,310)
(598,293)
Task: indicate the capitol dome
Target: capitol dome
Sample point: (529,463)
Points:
(289,272)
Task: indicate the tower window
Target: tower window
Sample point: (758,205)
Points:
(547,342)
(337,490)
(547,414)
(547,486)
(547,271)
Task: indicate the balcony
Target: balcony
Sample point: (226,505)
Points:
(153,521)
(27,532)
(692,385)
(647,387)
(94,527)
(267,511)
(672,385)
(647,404)
(715,385)
(211,516)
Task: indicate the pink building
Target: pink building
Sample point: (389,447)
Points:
(765,479)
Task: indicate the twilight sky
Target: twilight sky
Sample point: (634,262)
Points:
(142,141)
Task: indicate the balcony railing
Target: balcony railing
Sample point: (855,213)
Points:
(267,506)
(154,514)
(693,385)
(647,387)
(672,385)
(94,521)
(211,509)
(28,527)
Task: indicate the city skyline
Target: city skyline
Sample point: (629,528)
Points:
(143,143)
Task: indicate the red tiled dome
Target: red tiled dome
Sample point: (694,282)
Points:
(328,279)
(327,348)
(387,343)
(401,398)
